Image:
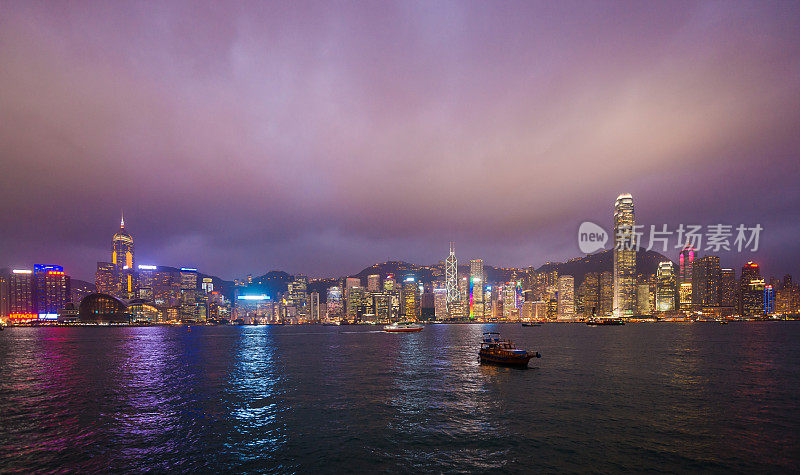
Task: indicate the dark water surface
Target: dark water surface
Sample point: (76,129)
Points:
(642,397)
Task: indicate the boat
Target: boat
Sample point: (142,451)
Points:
(501,351)
(531,324)
(403,327)
(606,321)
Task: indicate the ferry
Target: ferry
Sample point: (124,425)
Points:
(606,321)
(500,351)
(403,327)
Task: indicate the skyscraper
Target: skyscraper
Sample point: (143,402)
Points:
(476,283)
(374,283)
(313,307)
(122,247)
(666,290)
(440,304)
(566,297)
(727,288)
(624,257)
(21,305)
(410,299)
(751,291)
(451,277)
(706,276)
(51,290)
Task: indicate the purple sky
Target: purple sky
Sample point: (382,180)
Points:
(321,137)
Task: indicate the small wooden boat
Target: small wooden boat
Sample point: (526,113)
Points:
(500,351)
(404,327)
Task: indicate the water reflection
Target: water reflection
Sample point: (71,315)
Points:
(319,399)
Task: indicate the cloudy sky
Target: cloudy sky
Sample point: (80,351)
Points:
(321,137)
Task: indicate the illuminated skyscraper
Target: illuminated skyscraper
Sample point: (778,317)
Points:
(440,303)
(606,284)
(374,283)
(334,303)
(313,307)
(451,277)
(727,288)
(189,280)
(477,282)
(666,287)
(589,295)
(122,247)
(21,305)
(624,257)
(706,276)
(751,291)
(51,290)
(566,297)
(410,299)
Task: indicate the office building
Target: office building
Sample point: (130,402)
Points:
(666,287)
(566,297)
(624,257)
(706,278)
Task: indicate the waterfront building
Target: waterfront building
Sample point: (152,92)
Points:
(706,277)
(751,291)
(566,297)
(189,303)
(21,304)
(4,282)
(477,282)
(643,299)
(624,257)
(451,278)
(51,290)
(588,295)
(606,293)
(666,291)
(354,303)
(334,303)
(313,307)
(410,299)
(686,260)
(727,288)
(383,306)
(769,300)
(440,303)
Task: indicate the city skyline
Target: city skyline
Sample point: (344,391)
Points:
(242,140)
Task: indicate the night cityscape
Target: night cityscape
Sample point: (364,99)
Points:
(404,237)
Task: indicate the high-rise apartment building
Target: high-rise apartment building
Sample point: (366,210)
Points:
(624,257)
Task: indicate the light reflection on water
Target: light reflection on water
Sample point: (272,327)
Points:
(326,399)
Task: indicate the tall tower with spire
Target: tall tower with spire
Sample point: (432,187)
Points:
(451,276)
(122,247)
